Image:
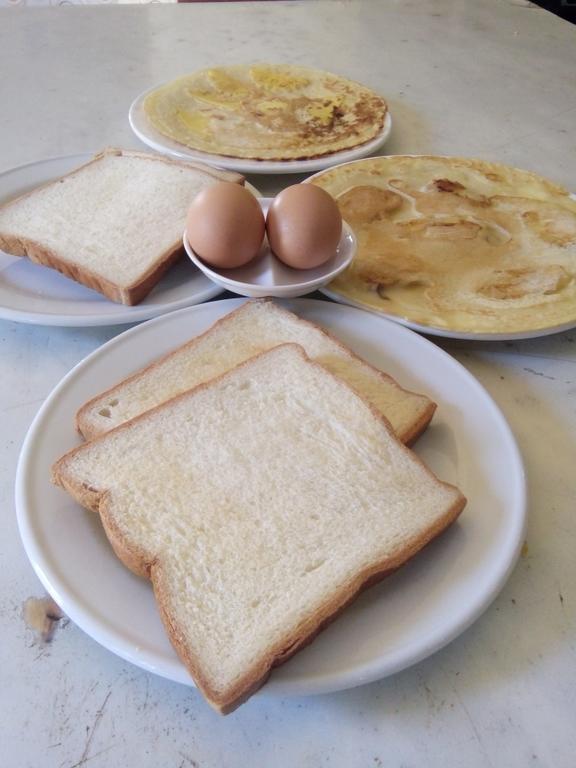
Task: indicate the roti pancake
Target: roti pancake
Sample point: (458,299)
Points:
(266,112)
(457,244)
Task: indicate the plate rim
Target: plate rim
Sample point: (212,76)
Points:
(149,136)
(361,674)
(119,314)
(432,330)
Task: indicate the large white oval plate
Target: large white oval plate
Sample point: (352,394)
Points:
(31,293)
(391,626)
(146,132)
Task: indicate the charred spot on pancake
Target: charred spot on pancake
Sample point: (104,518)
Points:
(449,186)
(446,185)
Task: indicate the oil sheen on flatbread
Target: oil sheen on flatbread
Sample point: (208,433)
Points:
(266,112)
(457,244)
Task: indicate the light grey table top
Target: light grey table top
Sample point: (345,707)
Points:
(492,79)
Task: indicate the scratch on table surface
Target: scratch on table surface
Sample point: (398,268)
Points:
(434,703)
(186,759)
(93,757)
(539,373)
(147,694)
(475,731)
(74,711)
(92,733)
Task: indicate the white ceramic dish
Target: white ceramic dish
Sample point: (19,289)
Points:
(391,626)
(146,132)
(431,330)
(267,276)
(30,293)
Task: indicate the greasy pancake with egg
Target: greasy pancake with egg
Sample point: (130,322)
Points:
(266,112)
(457,244)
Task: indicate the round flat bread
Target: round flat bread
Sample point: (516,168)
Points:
(266,112)
(457,244)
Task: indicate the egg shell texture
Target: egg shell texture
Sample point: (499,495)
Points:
(225,225)
(304,226)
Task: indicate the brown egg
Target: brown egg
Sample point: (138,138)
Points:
(304,226)
(225,225)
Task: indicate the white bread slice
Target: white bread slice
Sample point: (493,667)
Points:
(259,504)
(115,224)
(253,328)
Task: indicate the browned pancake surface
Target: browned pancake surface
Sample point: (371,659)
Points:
(266,112)
(458,244)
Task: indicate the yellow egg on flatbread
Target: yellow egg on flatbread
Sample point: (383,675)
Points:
(266,112)
(457,244)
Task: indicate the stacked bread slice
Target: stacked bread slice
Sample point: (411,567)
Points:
(255,327)
(259,501)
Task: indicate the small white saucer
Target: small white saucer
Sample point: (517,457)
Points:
(267,276)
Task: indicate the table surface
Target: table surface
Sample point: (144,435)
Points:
(492,79)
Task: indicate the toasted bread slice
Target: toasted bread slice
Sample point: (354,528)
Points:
(259,504)
(253,328)
(115,224)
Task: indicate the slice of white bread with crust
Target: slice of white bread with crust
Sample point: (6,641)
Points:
(259,505)
(255,327)
(114,224)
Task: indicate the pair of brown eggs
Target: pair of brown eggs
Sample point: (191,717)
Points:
(226,226)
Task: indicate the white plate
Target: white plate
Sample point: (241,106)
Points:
(391,626)
(267,276)
(156,140)
(30,293)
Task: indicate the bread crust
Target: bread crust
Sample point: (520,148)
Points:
(407,436)
(131,295)
(138,290)
(147,565)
